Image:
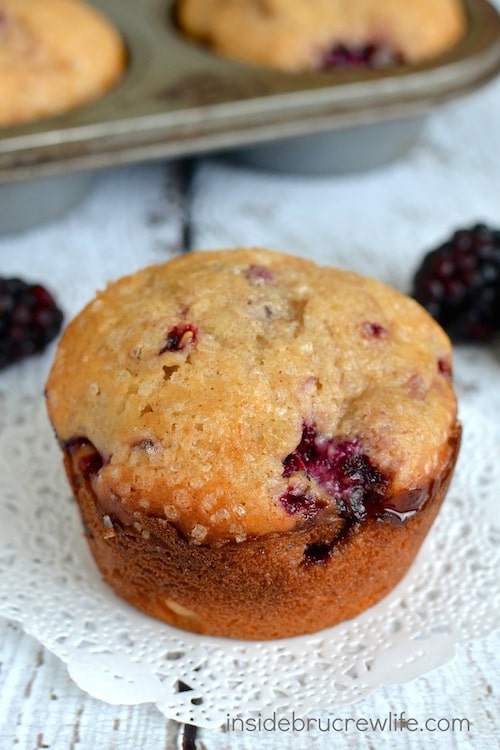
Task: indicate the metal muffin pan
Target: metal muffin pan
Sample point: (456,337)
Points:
(179,99)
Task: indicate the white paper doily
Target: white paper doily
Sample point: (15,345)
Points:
(49,584)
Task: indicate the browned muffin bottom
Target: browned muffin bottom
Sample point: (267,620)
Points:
(294,35)
(275,586)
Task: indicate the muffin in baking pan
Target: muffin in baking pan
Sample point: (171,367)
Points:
(54,56)
(258,445)
(293,35)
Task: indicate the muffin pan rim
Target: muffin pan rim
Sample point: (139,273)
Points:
(179,98)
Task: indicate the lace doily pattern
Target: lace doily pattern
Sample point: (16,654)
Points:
(49,584)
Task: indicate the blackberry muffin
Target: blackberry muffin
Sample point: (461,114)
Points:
(54,56)
(258,445)
(294,35)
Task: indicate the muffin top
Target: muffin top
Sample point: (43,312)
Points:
(244,392)
(54,55)
(296,35)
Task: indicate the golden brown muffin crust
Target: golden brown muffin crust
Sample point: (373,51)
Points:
(272,351)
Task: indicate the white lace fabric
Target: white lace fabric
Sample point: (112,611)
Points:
(51,586)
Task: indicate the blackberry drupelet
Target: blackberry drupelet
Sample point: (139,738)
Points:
(29,319)
(458,283)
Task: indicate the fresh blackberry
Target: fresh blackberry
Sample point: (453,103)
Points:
(458,283)
(29,319)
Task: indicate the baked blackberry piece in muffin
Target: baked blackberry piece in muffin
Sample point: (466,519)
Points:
(294,35)
(258,445)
